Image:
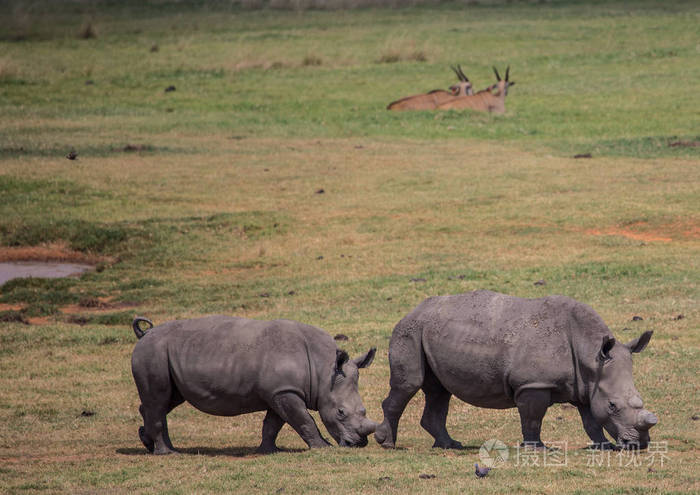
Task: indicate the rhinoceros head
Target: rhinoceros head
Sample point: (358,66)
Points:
(615,402)
(341,410)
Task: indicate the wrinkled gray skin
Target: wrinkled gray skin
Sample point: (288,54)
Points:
(228,366)
(497,351)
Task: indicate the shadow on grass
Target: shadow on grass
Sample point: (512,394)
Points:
(209,451)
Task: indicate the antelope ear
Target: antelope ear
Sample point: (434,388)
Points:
(608,344)
(638,344)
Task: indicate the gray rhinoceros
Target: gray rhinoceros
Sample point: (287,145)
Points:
(228,366)
(497,351)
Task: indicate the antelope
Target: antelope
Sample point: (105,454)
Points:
(431,100)
(492,99)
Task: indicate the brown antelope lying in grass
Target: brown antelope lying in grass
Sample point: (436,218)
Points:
(492,99)
(431,100)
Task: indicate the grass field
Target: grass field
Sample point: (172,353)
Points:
(206,199)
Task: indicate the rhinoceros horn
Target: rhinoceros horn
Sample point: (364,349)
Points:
(646,420)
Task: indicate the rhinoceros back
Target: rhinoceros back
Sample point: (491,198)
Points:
(484,347)
(227,366)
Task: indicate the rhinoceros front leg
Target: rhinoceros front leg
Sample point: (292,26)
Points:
(292,409)
(593,429)
(272,424)
(532,405)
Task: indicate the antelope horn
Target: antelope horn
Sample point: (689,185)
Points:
(466,79)
(498,77)
(507,70)
(457,72)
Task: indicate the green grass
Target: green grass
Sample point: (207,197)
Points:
(214,208)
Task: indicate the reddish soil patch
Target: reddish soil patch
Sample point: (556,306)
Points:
(684,144)
(49,252)
(642,231)
(12,307)
(95,306)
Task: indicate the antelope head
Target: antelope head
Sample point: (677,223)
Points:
(464,87)
(502,85)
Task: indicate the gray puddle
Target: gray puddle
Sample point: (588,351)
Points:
(41,269)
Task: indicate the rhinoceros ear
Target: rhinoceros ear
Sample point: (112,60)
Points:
(604,353)
(638,344)
(341,357)
(365,360)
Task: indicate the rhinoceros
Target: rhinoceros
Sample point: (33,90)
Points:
(497,351)
(228,366)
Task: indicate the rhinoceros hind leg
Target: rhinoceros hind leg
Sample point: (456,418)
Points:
(292,409)
(272,424)
(532,405)
(593,429)
(437,404)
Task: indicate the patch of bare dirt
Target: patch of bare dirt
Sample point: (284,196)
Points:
(12,307)
(95,305)
(58,251)
(684,144)
(642,231)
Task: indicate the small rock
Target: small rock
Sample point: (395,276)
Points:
(679,317)
(425,476)
(389,298)
(419,279)
(695,417)
(320,191)
(291,293)
(87,414)
(651,470)
(359,147)
(385,478)
(675,337)
(72,155)
(89,82)
(170,88)
(154,47)
(319,258)
(540,282)
(637,318)
(559,418)
(264,294)
(341,336)
(583,155)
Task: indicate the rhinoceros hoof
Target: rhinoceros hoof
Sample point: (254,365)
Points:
(538,447)
(451,444)
(145,439)
(383,438)
(603,446)
(263,449)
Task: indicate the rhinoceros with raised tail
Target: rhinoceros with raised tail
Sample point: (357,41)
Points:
(228,366)
(497,351)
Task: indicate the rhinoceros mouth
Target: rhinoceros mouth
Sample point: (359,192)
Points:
(631,444)
(360,442)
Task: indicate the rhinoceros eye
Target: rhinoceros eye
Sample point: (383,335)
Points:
(613,407)
(341,413)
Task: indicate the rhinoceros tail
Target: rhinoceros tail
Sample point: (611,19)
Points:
(137,327)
